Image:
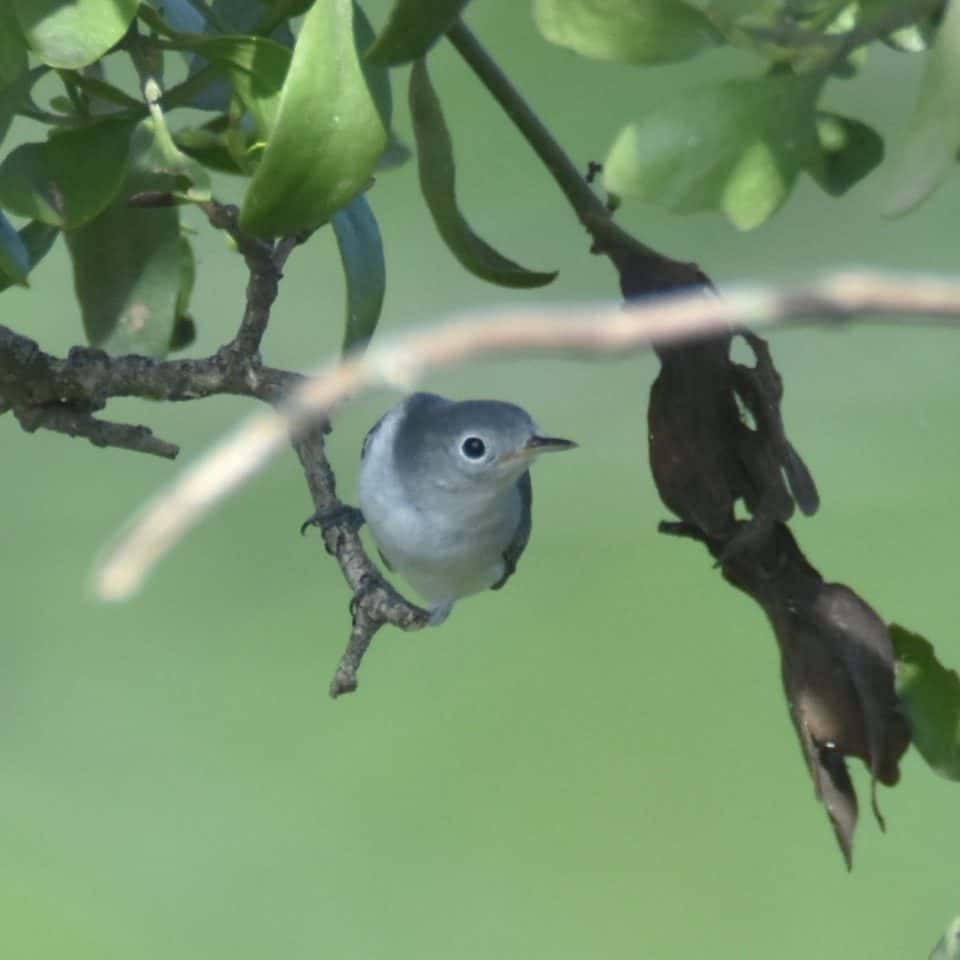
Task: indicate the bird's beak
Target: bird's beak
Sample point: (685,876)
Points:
(547,445)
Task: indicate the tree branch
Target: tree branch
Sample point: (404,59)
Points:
(650,271)
(46,392)
(101,433)
(61,394)
(265,272)
(599,330)
(375,603)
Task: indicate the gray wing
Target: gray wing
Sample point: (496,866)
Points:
(363,452)
(370,435)
(511,556)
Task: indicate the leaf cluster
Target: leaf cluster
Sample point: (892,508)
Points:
(300,100)
(739,146)
(300,104)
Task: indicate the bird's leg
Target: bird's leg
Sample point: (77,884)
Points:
(342,513)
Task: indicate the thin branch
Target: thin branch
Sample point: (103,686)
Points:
(375,603)
(61,394)
(90,377)
(265,274)
(570,180)
(101,433)
(660,273)
(581,331)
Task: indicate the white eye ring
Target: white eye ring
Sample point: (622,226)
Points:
(473,448)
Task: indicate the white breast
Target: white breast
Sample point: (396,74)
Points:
(445,545)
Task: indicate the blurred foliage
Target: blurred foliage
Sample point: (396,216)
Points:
(930,696)
(172,782)
(304,110)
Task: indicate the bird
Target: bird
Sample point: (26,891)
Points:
(445,490)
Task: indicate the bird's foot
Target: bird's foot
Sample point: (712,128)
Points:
(331,516)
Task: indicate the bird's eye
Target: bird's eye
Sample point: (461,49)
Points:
(473,448)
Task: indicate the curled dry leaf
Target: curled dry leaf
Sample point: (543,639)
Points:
(703,454)
(838,671)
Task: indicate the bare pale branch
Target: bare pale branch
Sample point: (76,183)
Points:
(588,330)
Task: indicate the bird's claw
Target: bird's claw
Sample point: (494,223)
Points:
(342,513)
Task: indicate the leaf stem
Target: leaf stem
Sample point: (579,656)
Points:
(79,103)
(45,116)
(554,157)
(589,208)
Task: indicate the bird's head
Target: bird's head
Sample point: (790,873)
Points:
(473,444)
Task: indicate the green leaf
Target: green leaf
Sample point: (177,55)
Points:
(948,946)
(629,31)
(240,18)
(435,165)
(929,150)
(361,251)
(285,9)
(208,145)
(737,147)
(72,33)
(13,48)
(850,151)
(14,256)
(412,28)
(37,238)
(12,98)
(243,16)
(181,15)
(255,66)
(929,694)
(328,134)
(378,77)
(127,262)
(71,177)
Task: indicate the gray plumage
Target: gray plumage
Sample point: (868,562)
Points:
(446,493)
(511,555)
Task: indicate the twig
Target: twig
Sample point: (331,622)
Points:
(262,288)
(573,184)
(90,376)
(101,433)
(650,270)
(375,603)
(61,394)
(585,330)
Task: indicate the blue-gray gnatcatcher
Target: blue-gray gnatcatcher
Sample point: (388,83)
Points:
(445,489)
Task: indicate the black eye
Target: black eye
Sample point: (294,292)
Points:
(473,448)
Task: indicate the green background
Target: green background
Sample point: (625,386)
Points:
(595,762)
